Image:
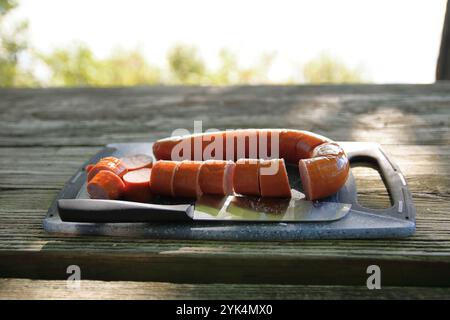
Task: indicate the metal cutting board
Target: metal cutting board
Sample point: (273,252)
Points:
(359,223)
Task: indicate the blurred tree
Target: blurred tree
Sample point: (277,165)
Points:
(126,68)
(13,42)
(257,73)
(229,71)
(327,69)
(186,66)
(77,66)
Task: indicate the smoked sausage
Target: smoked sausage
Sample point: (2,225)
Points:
(323,164)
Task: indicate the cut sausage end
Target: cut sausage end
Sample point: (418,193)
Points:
(229,175)
(137,185)
(97,191)
(106,185)
(216,177)
(306,181)
(137,161)
(138,176)
(109,164)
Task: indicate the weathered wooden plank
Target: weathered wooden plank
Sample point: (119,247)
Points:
(46,134)
(422,259)
(57,289)
(400,114)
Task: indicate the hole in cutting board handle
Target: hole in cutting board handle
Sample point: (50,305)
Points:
(371,188)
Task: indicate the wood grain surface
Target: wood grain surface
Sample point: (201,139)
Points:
(46,134)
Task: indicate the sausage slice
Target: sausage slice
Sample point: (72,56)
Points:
(106,185)
(137,161)
(273,179)
(216,177)
(185,180)
(137,185)
(161,177)
(246,177)
(110,164)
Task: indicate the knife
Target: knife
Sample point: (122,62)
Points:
(206,208)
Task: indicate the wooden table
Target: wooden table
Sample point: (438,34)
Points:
(45,134)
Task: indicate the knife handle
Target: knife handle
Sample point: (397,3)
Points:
(90,210)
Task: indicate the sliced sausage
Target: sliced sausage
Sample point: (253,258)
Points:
(137,161)
(89,167)
(106,185)
(161,177)
(295,146)
(185,180)
(216,177)
(110,164)
(246,177)
(273,179)
(137,185)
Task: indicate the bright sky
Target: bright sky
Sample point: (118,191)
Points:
(393,41)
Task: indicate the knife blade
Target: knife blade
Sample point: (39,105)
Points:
(207,208)
(240,208)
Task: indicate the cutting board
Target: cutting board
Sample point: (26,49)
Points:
(359,223)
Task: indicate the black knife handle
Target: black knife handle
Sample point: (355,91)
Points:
(90,210)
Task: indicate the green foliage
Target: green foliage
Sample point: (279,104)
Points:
(186,66)
(77,66)
(126,68)
(6,6)
(326,69)
(71,67)
(229,71)
(13,42)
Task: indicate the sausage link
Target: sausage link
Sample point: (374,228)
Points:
(323,165)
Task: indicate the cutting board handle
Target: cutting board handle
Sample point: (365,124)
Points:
(392,177)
